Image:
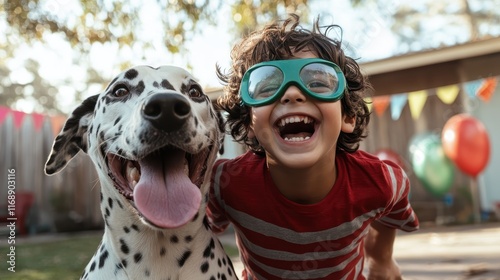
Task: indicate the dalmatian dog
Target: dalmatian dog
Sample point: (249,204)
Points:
(153,136)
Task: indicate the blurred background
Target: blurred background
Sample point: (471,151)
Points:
(434,66)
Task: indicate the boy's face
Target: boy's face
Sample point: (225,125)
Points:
(298,131)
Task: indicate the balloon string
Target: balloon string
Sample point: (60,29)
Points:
(476,209)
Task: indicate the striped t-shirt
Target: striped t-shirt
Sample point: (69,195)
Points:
(281,239)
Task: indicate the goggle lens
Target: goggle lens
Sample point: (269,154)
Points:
(265,82)
(319,78)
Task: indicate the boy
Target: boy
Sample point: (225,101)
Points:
(303,198)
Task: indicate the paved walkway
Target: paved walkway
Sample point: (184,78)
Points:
(460,252)
(464,252)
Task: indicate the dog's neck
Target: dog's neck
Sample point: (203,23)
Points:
(138,248)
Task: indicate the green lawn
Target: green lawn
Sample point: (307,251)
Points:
(51,260)
(55,260)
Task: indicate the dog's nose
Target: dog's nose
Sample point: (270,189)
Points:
(166,111)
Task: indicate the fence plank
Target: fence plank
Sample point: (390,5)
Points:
(71,196)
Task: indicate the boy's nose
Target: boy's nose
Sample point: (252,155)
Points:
(292,95)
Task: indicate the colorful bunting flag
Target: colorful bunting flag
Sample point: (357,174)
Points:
(380,104)
(18,118)
(398,102)
(57,124)
(448,94)
(485,92)
(37,120)
(483,89)
(369,103)
(416,100)
(471,87)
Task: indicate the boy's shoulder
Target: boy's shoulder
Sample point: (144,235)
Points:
(246,160)
(358,157)
(365,161)
(364,169)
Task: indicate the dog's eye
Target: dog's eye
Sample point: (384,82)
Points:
(120,91)
(196,93)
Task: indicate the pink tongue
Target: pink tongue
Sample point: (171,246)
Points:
(164,194)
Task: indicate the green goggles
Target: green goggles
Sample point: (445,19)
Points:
(266,82)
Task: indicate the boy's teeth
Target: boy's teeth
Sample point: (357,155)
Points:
(294,119)
(297,139)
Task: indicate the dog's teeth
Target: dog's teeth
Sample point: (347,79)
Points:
(133,174)
(186,167)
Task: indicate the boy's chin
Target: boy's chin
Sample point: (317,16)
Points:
(299,160)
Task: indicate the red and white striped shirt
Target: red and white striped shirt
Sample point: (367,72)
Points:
(281,239)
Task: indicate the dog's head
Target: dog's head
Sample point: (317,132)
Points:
(153,136)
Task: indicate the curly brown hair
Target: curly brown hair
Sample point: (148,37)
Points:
(279,41)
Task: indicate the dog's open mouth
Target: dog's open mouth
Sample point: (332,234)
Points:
(164,186)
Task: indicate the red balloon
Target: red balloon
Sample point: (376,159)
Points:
(466,142)
(388,154)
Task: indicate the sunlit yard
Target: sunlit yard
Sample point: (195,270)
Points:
(51,260)
(59,260)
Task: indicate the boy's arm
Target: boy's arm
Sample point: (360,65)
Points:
(215,212)
(379,244)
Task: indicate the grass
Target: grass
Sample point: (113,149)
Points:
(62,260)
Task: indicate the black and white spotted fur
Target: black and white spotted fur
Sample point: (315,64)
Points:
(147,112)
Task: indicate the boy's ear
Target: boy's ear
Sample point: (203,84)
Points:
(251,133)
(348,124)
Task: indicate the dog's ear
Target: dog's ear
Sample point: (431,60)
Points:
(72,138)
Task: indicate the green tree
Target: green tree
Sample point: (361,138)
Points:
(88,22)
(420,25)
(37,90)
(416,25)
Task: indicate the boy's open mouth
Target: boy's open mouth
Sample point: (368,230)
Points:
(296,128)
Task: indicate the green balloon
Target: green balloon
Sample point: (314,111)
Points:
(430,164)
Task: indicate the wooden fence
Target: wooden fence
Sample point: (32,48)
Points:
(384,132)
(67,201)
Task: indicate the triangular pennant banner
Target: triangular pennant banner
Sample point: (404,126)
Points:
(448,94)
(37,120)
(369,103)
(380,104)
(472,87)
(18,118)
(57,124)
(398,102)
(485,92)
(3,113)
(416,100)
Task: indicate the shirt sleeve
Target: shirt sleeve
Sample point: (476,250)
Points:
(215,211)
(399,213)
